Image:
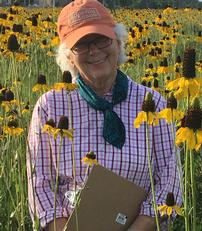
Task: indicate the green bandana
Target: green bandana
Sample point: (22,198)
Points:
(113,129)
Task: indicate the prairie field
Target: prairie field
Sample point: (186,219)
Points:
(155,46)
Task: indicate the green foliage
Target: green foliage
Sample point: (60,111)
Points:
(141,4)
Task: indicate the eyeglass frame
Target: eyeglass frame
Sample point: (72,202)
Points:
(88,44)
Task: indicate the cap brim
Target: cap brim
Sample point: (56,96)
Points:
(79,33)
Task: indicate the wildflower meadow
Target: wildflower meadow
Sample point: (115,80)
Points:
(164,52)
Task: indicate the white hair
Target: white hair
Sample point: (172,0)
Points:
(63,53)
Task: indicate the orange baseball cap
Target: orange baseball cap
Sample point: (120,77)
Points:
(83,17)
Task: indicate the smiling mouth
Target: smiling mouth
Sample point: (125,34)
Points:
(97,61)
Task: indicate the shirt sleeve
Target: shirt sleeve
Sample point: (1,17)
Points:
(40,170)
(166,176)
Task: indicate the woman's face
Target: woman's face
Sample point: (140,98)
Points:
(96,64)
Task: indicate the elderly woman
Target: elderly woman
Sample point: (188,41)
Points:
(102,111)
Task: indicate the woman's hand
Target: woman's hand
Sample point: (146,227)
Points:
(143,223)
(60,224)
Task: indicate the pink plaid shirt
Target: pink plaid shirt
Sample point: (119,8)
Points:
(129,162)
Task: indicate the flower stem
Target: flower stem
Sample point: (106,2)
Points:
(74,176)
(86,173)
(151,177)
(186,184)
(20,177)
(177,156)
(169,224)
(73,157)
(78,197)
(193,191)
(57,179)
(186,180)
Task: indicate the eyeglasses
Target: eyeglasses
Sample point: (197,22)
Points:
(83,48)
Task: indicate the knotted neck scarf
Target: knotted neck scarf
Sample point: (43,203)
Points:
(113,128)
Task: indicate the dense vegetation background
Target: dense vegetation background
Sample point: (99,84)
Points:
(153,35)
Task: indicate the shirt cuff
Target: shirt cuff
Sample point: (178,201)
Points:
(147,209)
(47,216)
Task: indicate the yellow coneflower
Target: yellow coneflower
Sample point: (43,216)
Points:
(41,85)
(159,19)
(20,56)
(1,134)
(90,159)
(178,63)
(173,40)
(55,41)
(26,109)
(189,84)
(199,66)
(12,128)
(148,113)
(49,127)
(185,87)
(167,80)
(50,53)
(169,207)
(48,24)
(9,100)
(191,130)
(147,78)
(168,10)
(145,48)
(150,70)
(17,82)
(170,113)
(155,85)
(137,51)
(164,68)
(199,37)
(28,22)
(12,114)
(13,44)
(153,57)
(2,89)
(17,8)
(63,129)
(44,44)
(33,21)
(187,9)
(177,73)
(66,83)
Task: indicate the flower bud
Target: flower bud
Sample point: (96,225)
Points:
(9,95)
(63,123)
(34,20)
(172,102)
(148,104)
(13,44)
(170,200)
(178,59)
(189,63)
(41,79)
(155,83)
(51,123)
(66,77)
(13,124)
(193,117)
(91,155)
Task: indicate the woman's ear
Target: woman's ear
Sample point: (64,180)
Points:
(119,45)
(71,59)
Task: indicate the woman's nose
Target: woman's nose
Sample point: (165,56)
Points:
(92,48)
